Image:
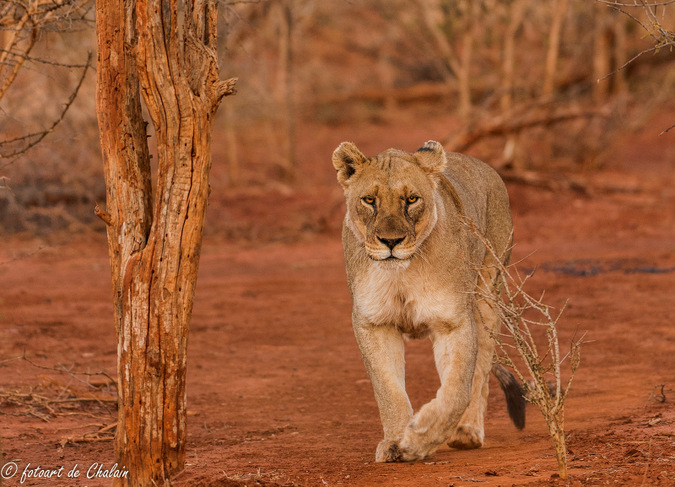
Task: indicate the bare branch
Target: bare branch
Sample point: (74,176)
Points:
(35,138)
(662,37)
(646,4)
(511,123)
(21,22)
(623,66)
(225,88)
(103,215)
(62,369)
(668,129)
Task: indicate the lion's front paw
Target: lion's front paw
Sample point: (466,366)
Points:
(392,451)
(388,451)
(467,437)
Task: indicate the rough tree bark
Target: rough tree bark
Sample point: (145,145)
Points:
(169,55)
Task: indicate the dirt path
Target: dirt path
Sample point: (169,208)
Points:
(277,391)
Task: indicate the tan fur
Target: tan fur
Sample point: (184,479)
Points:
(412,269)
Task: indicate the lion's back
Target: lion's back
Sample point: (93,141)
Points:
(483,195)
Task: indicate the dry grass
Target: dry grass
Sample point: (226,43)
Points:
(70,393)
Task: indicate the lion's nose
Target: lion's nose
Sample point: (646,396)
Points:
(390,242)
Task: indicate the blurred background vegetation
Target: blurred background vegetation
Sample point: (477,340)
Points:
(533,88)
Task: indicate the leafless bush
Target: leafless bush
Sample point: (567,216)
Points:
(20,25)
(46,185)
(649,15)
(653,14)
(520,313)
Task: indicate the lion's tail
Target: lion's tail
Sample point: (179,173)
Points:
(515,397)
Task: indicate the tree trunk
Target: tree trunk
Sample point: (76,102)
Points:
(516,15)
(285,89)
(154,242)
(602,53)
(449,64)
(511,153)
(466,60)
(554,48)
(620,55)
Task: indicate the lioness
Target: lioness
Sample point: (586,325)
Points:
(413,269)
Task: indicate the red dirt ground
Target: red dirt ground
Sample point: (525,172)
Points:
(277,393)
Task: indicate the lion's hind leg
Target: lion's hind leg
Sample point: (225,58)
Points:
(470,431)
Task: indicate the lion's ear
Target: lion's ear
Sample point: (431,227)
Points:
(431,157)
(346,158)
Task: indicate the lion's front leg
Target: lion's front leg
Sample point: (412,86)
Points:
(455,355)
(382,349)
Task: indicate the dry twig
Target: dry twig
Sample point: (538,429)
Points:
(657,395)
(515,309)
(104,433)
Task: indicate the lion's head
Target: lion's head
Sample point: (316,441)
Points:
(391,204)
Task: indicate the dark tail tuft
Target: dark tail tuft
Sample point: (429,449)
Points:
(515,396)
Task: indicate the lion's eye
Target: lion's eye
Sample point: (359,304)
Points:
(412,199)
(369,200)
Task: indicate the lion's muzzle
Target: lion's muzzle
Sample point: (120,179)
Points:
(391,242)
(390,249)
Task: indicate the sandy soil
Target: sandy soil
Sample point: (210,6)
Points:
(277,392)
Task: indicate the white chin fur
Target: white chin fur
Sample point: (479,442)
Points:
(393,264)
(397,256)
(403,254)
